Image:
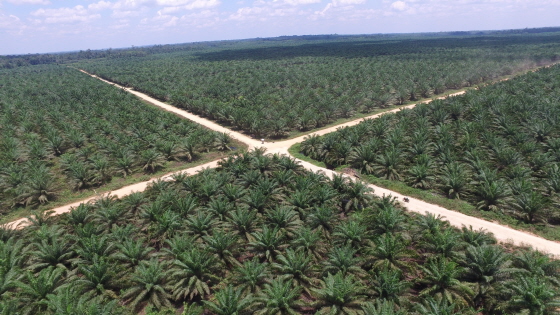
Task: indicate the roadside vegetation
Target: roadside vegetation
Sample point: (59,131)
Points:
(260,235)
(497,148)
(62,131)
(282,88)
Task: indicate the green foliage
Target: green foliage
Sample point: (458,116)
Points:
(322,257)
(493,147)
(62,131)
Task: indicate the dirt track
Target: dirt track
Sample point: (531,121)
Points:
(502,233)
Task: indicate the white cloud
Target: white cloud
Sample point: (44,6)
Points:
(42,2)
(298,2)
(65,15)
(347,2)
(399,5)
(101,5)
(10,23)
(190,4)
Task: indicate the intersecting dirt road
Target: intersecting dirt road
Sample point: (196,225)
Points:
(502,233)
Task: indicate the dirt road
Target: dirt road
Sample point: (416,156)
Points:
(502,233)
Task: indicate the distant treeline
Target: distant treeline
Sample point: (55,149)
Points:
(13,61)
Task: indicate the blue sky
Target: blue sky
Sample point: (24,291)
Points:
(38,26)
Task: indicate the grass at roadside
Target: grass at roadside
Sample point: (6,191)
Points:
(433,197)
(67,197)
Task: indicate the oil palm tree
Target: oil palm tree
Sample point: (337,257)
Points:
(267,243)
(50,252)
(296,267)
(279,297)
(251,276)
(343,259)
(193,272)
(533,295)
(101,277)
(131,252)
(224,245)
(490,267)
(339,294)
(34,289)
(382,307)
(284,218)
(389,285)
(229,301)
(441,278)
(149,282)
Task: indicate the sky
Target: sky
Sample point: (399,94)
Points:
(41,26)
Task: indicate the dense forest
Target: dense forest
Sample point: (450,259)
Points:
(259,235)
(272,91)
(63,131)
(497,147)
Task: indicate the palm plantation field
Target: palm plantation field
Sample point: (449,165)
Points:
(497,147)
(275,89)
(62,132)
(259,234)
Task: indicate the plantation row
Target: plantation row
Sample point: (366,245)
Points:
(61,130)
(261,235)
(272,91)
(497,147)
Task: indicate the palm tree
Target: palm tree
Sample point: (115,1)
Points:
(53,252)
(363,158)
(534,295)
(322,219)
(538,265)
(267,243)
(200,224)
(80,214)
(491,194)
(530,206)
(242,221)
(441,306)
(453,181)
(489,267)
(229,301)
(351,233)
(131,252)
(149,282)
(222,141)
(388,164)
(284,218)
(442,279)
(295,266)
(357,195)
(39,188)
(388,219)
(420,176)
(34,289)
(389,251)
(442,242)
(151,160)
(382,307)
(224,246)
(69,301)
(343,259)
(278,297)
(389,286)
(99,277)
(309,241)
(251,276)
(476,238)
(194,271)
(233,193)
(339,294)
